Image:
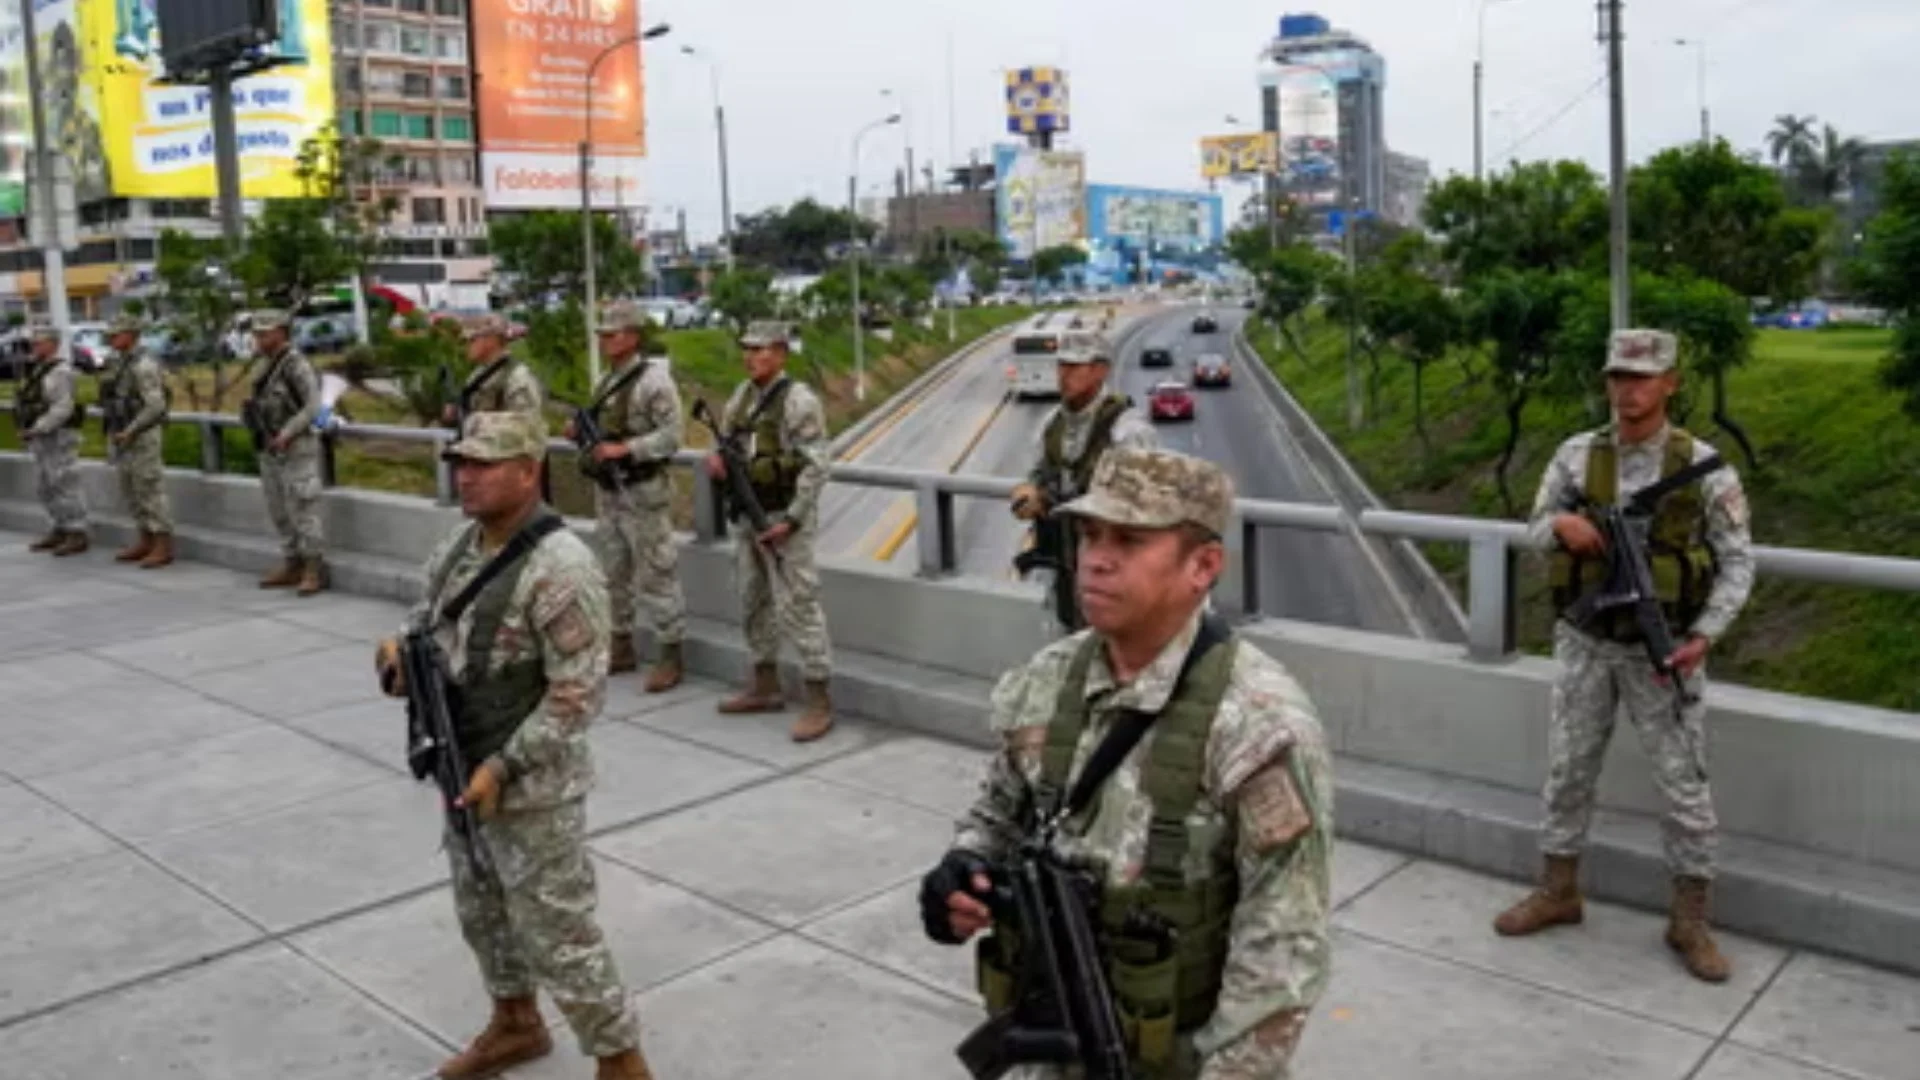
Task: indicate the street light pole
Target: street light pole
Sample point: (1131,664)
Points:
(46,219)
(720,128)
(1479,89)
(1700,52)
(853,255)
(1618,267)
(586,195)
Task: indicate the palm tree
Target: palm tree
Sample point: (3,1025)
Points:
(1791,139)
(1827,171)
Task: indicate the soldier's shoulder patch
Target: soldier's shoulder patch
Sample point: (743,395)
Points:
(569,629)
(1272,810)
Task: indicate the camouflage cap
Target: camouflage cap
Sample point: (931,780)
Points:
(1085,348)
(269,319)
(127,323)
(766,332)
(42,330)
(489,323)
(1642,352)
(1157,489)
(498,436)
(624,315)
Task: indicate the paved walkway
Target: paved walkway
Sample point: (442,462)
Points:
(213,865)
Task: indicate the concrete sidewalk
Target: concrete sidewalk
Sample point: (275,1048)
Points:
(213,865)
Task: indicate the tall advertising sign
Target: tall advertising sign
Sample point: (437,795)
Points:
(532,59)
(1037,101)
(1255,154)
(1041,198)
(16,129)
(1182,220)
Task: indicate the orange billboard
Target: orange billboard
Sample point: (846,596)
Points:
(533,60)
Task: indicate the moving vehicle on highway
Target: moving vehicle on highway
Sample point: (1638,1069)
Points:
(1169,401)
(1211,369)
(1156,357)
(1204,323)
(1037,345)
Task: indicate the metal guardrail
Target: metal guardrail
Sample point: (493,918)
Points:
(1493,546)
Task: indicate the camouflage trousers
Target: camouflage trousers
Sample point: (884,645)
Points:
(1597,680)
(292,485)
(143,482)
(530,922)
(56,477)
(783,601)
(638,552)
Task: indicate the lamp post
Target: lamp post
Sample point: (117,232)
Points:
(853,254)
(586,194)
(720,129)
(1699,46)
(1479,82)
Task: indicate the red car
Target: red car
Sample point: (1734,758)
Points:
(1170,401)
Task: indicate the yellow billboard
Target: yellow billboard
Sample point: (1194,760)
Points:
(1239,155)
(134,137)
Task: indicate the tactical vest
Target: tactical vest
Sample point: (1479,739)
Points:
(1158,996)
(774,470)
(487,391)
(490,705)
(1054,445)
(31,403)
(120,396)
(273,413)
(1683,566)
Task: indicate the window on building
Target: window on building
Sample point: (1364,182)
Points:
(181,208)
(350,123)
(382,37)
(350,78)
(429,211)
(457,129)
(416,84)
(453,87)
(459,170)
(376,3)
(454,8)
(94,252)
(417,126)
(415,41)
(383,80)
(450,44)
(141,249)
(346,35)
(103,211)
(386,125)
(418,7)
(423,170)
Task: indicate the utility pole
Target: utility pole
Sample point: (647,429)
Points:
(1479,117)
(1614,34)
(46,216)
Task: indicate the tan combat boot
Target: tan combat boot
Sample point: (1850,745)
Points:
(818,719)
(1555,902)
(313,576)
(288,574)
(1687,931)
(162,553)
(622,659)
(514,1036)
(137,550)
(73,543)
(626,1065)
(762,696)
(48,542)
(667,673)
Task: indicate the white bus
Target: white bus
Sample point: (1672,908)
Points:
(1037,345)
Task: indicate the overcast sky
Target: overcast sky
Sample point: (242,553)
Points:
(1149,77)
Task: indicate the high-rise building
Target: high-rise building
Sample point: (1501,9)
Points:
(1408,179)
(1323,91)
(403,76)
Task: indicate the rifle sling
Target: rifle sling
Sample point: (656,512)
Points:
(1645,499)
(518,548)
(620,382)
(482,377)
(1132,724)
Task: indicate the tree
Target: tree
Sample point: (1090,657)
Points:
(539,255)
(742,295)
(1290,281)
(1888,275)
(197,301)
(800,238)
(1051,263)
(1410,310)
(1520,312)
(1548,216)
(1830,166)
(1710,320)
(1791,139)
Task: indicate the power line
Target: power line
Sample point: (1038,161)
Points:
(1559,115)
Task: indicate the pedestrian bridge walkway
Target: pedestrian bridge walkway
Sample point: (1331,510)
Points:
(213,864)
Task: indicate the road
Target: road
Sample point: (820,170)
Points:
(966,425)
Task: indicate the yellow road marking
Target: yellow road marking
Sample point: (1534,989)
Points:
(899,536)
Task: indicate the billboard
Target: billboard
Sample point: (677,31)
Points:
(1179,220)
(1040,198)
(1037,101)
(531,62)
(16,130)
(1311,155)
(1254,154)
(199,34)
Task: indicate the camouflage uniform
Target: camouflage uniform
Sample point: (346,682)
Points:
(635,536)
(531,920)
(510,388)
(139,387)
(53,438)
(1265,799)
(288,392)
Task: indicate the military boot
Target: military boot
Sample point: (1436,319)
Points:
(48,542)
(763,696)
(626,1065)
(1555,902)
(137,550)
(313,576)
(1688,935)
(515,1035)
(667,673)
(818,719)
(287,575)
(622,659)
(162,553)
(72,544)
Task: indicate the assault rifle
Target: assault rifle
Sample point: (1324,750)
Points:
(587,434)
(1063,1010)
(432,748)
(739,494)
(1052,550)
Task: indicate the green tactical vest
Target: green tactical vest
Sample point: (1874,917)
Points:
(274,412)
(1106,413)
(615,411)
(1683,566)
(489,709)
(31,403)
(487,390)
(1157,997)
(774,469)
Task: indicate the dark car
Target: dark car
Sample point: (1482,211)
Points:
(1156,357)
(1170,401)
(1212,370)
(1204,323)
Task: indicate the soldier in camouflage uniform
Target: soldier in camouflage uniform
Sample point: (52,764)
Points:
(1701,552)
(1090,420)
(785,429)
(637,408)
(500,382)
(285,399)
(529,690)
(1219,822)
(133,399)
(48,417)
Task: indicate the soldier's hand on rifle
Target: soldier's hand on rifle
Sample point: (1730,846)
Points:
(1578,535)
(448,415)
(386,662)
(966,912)
(279,443)
(483,791)
(776,535)
(951,910)
(570,432)
(716,466)
(610,451)
(1028,502)
(120,438)
(1689,656)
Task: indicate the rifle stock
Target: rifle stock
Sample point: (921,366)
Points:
(432,748)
